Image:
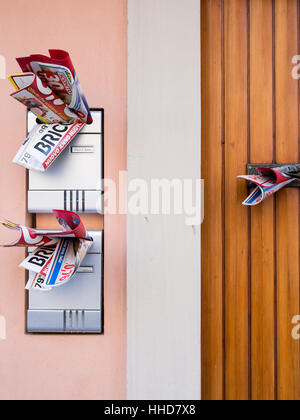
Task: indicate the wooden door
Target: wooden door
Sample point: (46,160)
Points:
(250,258)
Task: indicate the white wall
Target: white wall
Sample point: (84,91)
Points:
(163,350)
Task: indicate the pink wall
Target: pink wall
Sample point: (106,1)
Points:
(64,367)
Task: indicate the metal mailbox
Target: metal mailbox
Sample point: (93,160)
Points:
(76,307)
(75,180)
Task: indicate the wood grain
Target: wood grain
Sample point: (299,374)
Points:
(236,217)
(262,217)
(271,262)
(212,151)
(287,212)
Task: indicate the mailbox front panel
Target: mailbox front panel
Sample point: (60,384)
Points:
(74,181)
(75,307)
(77,168)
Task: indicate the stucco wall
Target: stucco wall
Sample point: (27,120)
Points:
(66,367)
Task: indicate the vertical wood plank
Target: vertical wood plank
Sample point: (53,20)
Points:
(212,254)
(262,217)
(236,217)
(287,201)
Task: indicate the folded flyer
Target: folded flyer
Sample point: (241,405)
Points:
(58,73)
(66,260)
(57,254)
(268,182)
(49,87)
(45,143)
(40,99)
(60,267)
(71,224)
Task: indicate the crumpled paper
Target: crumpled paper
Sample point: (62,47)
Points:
(269,181)
(57,254)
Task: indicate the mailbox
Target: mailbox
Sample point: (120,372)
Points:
(75,180)
(76,307)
